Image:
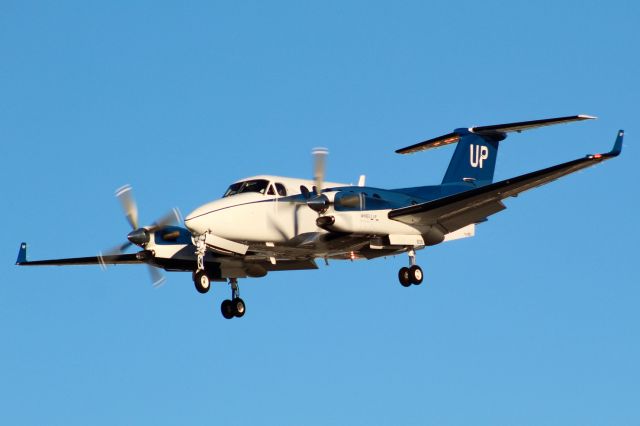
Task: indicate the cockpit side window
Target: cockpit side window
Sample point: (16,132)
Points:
(282,191)
(257,185)
(233,189)
(270,191)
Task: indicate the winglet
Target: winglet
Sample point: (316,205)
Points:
(617,147)
(615,151)
(22,254)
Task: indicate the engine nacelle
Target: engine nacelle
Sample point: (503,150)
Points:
(376,223)
(433,236)
(348,223)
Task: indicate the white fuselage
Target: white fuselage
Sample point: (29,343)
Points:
(260,217)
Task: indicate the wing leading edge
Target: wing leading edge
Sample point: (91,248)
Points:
(92,260)
(456,211)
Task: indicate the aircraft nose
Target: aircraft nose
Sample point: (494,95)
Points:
(195,222)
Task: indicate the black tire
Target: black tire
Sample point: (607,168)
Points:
(404,277)
(227,309)
(416,275)
(202,282)
(239,308)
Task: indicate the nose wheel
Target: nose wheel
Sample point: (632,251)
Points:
(201,281)
(411,275)
(235,306)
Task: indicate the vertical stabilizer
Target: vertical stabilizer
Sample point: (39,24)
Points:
(474,159)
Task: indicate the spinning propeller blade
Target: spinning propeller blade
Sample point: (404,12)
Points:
(315,200)
(157,279)
(125,196)
(168,219)
(319,160)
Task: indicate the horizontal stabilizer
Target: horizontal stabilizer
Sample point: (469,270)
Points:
(443,140)
(497,129)
(528,125)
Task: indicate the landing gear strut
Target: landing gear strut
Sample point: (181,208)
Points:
(201,249)
(412,274)
(234,307)
(200,277)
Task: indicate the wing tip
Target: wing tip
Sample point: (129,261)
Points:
(617,146)
(615,151)
(586,117)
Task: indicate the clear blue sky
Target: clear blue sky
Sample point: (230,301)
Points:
(532,322)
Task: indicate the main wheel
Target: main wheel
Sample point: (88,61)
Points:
(238,307)
(415,275)
(227,309)
(404,277)
(202,282)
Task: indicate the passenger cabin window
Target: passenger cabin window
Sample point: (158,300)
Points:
(281,190)
(257,185)
(348,201)
(353,201)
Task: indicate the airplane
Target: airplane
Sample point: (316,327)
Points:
(270,223)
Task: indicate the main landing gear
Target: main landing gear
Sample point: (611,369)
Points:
(230,308)
(234,307)
(412,274)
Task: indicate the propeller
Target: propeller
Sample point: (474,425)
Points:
(319,165)
(124,194)
(140,236)
(316,200)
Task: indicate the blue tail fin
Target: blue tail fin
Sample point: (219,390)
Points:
(474,159)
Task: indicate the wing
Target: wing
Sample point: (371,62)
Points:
(93,260)
(455,211)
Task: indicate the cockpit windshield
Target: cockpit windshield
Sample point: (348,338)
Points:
(257,185)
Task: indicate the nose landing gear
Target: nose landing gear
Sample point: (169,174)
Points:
(412,274)
(200,277)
